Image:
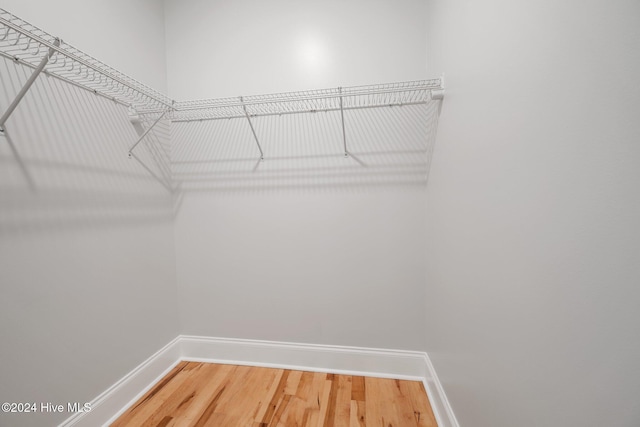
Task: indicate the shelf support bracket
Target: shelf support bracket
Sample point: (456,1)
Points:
(27,85)
(136,124)
(153,174)
(244,107)
(344,134)
(145,134)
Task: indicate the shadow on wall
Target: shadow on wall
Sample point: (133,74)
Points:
(387,146)
(64,163)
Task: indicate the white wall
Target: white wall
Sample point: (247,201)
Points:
(87,267)
(329,268)
(533,211)
(306,246)
(251,47)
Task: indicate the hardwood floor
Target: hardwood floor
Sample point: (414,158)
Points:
(205,394)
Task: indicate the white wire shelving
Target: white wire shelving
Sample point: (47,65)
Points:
(338,99)
(30,46)
(34,48)
(311,101)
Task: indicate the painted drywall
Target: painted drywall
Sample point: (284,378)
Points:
(306,246)
(87,272)
(533,207)
(341,269)
(249,47)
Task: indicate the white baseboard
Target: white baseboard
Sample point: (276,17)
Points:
(112,402)
(400,364)
(437,397)
(310,357)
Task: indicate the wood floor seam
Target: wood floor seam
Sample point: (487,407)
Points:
(197,394)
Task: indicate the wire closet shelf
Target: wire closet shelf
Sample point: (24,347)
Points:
(30,46)
(311,101)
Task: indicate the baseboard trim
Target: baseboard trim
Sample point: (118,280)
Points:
(438,398)
(116,399)
(311,357)
(400,364)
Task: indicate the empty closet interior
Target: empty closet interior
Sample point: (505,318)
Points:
(281,211)
(383,188)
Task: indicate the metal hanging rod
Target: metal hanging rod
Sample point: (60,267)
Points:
(310,95)
(26,43)
(336,99)
(206,117)
(34,48)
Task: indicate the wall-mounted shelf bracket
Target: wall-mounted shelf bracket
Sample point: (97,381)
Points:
(153,174)
(14,104)
(244,107)
(145,134)
(344,135)
(135,121)
(438,93)
(27,85)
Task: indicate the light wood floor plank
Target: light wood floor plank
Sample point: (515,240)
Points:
(343,401)
(354,419)
(214,395)
(357,388)
(372,397)
(203,405)
(293,380)
(418,396)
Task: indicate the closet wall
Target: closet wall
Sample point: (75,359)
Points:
(87,266)
(306,246)
(251,47)
(533,211)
